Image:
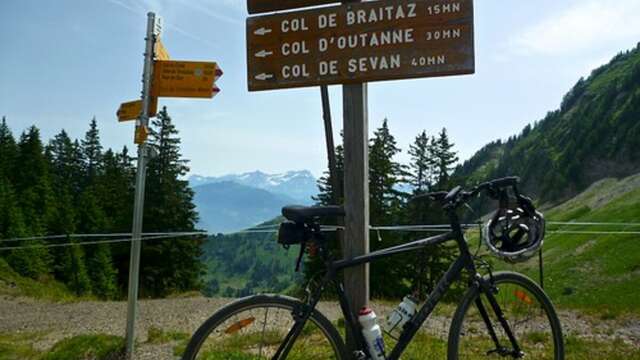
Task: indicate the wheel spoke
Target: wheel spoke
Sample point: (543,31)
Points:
(264,327)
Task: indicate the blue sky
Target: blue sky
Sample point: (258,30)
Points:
(65,61)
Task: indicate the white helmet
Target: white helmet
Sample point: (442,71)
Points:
(515,235)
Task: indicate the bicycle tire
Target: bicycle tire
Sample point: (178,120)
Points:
(257,302)
(501,279)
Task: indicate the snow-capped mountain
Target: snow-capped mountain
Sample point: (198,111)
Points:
(299,185)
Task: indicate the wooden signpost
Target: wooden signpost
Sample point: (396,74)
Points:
(360,42)
(352,44)
(262,6)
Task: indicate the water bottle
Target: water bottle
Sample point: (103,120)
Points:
(372,333)
(402,314)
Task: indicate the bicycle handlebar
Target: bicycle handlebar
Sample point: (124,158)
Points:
(457,195)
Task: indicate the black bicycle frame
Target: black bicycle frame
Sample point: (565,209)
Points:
(464,261)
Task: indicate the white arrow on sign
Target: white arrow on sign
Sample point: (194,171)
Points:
(264,53)
(264,76)
(262,31)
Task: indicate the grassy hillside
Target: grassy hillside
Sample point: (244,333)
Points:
(245,263)
(591,271)
(594,135)
(14,285)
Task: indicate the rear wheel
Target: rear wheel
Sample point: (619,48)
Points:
(254,328)
(528,311)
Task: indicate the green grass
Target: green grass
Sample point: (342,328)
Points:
(159,336)
(17,347)
(599,273)
(84,347)
(98,347)
(14,285)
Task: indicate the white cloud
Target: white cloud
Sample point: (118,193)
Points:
(584,25)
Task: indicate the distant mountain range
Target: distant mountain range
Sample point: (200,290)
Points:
(238,201)
(298,185)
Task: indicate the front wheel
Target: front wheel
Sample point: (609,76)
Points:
(477,333)
(254,327)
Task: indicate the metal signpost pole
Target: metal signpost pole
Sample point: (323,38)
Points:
(134,267)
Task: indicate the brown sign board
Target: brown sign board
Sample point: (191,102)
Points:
(262,6)
(131,110)
(360,42)
(193,79)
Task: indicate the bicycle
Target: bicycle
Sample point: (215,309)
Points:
(501,315)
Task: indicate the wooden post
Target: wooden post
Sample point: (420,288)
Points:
(356,192)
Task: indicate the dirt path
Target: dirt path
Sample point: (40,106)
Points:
(57,321)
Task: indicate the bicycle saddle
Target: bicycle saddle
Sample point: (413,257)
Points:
(304,214)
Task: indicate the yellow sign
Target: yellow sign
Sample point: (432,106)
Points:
(161,52)
(184,79)
(131,110)
(142,132)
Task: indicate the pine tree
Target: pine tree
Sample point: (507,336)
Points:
(114,191)
(92,150)
(326,191)
(11,219)
(445,159)
(433,157)
(67,175)
(99,261)
(74,271)
(8,150)
(174,264)
(385,174)
(103,275)
(35,198)
(422,163)
(116,177)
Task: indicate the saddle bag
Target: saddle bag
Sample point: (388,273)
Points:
(291,233)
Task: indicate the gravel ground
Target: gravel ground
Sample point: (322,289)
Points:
(57,321)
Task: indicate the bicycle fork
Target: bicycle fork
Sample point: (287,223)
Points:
(489,290)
